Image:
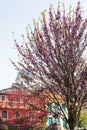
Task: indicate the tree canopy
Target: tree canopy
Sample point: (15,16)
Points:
(51,58)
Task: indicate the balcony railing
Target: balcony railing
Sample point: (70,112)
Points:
(13,105)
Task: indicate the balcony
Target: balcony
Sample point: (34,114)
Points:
(13,105)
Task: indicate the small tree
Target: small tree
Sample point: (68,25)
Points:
(83,119)
(51,58)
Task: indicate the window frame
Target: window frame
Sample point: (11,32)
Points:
(3,98)
(4,115)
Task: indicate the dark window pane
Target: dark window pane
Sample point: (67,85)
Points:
(3,98)
(4,114)
(17,114)
(49,106)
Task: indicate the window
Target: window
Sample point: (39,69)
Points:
(3,97)
(49,106)
(10,103)
(17,114)
(64,123)
(58,120)
(56,107)
(63,107)
(4,114)
(17,99)
(21,82)
(27,83)
(50,120)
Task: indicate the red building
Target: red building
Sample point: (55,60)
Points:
(17,103)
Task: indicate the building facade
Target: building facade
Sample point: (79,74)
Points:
(11,104)
(12,107)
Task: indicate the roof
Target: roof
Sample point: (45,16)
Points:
(15,86)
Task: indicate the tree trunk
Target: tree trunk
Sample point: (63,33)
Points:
(71,126)
(72,117)
(72,123)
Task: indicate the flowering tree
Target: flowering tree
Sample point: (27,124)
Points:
(51,58)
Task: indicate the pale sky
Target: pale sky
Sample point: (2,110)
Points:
(15,15)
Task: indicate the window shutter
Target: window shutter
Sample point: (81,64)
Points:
(50,120)
(49,106)
(64,123)
(63,107)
